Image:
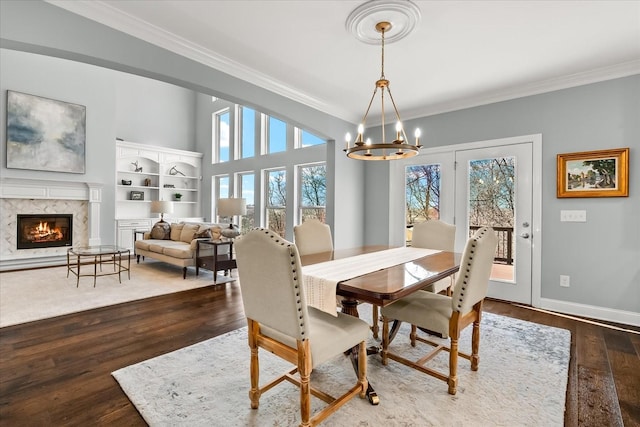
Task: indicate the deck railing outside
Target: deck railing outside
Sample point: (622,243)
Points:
(504,253)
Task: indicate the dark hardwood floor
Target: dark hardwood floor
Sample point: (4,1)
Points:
(57,372)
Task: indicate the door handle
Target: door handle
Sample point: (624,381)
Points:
(525,235)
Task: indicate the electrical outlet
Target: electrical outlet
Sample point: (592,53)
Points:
(565,281)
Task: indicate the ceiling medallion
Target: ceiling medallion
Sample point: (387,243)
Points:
(402,14)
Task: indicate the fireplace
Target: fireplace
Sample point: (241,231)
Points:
(44,231)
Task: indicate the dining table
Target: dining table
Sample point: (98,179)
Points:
(384,285)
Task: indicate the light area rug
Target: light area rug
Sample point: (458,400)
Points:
(521,381)
(29,295)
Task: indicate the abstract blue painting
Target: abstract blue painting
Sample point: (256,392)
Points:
(45,134)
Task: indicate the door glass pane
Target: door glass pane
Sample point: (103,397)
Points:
(422,195)
(492,203)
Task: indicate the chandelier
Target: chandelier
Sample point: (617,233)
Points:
(399,148)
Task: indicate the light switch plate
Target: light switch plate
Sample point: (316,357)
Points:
(573,216)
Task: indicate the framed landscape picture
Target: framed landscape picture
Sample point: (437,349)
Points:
(602,173)
(45,134)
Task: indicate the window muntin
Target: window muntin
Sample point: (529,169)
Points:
(312,188)
(276,200)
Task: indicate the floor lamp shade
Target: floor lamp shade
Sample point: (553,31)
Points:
(232,207)
(162,207)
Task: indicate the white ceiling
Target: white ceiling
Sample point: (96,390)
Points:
(461,54)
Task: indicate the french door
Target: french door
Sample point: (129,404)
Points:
(495,183)
(494,187)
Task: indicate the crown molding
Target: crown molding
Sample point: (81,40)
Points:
(105,14)
(625,69)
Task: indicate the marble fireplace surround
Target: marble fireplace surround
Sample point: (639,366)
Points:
(36,195)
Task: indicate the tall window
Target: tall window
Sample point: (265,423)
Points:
(221,136)
(246,183)
(422,194)
(312,186)
(248,133)
(277,139)
(307,139)
(276,197)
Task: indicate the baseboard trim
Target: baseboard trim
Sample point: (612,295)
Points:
(591,311)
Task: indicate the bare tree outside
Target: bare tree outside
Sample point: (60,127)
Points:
(422,193)
(491,187)
(277,201)
(313,192)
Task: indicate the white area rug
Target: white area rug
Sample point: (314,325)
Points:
(522,381)
(30,295)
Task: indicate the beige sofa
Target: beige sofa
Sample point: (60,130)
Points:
(176,243)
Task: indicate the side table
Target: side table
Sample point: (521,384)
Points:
(209,257)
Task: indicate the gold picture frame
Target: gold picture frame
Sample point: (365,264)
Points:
(601,173)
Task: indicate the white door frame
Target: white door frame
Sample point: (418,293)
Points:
(397,206)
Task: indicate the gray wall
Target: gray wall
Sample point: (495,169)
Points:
(602,256)
(134,108)
(40,27)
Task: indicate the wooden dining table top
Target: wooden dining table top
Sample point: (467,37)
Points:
(384,286)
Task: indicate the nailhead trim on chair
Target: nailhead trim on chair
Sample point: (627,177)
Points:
(474,242)
(294,272)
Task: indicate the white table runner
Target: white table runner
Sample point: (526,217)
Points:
(320,280)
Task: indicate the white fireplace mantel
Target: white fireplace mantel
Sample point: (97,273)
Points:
(38,189)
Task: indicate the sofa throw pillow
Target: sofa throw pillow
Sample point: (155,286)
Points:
(215,232)
(161,231)
(206,233)
(176,231)
(189,232)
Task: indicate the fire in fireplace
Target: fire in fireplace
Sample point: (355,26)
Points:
(44,231)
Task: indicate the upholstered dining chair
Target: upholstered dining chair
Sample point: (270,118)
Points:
(312,237)
(436,234)
(280,322)
(444,315)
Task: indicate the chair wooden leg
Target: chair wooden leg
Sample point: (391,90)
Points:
(304,370)
(453,366)
(385,340)
(475,346)
(254,392)
(412,335)
(374,325)
(362,369)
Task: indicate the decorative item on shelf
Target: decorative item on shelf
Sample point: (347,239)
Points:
(125,182)
(147,182)
(174,171)
(169,186)
(177,196)
(399,148)
(138,168)
(162,207)
(136,195)
(230,208)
